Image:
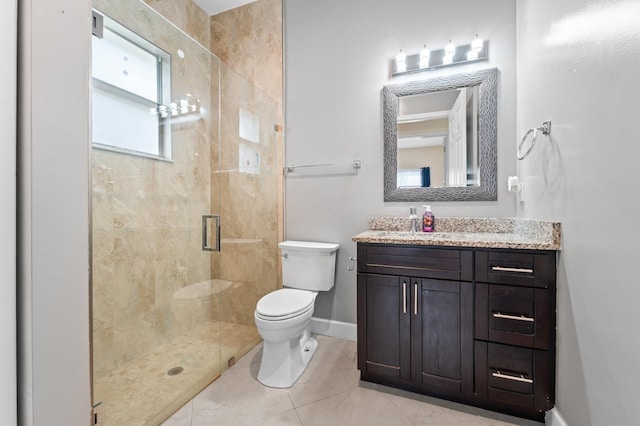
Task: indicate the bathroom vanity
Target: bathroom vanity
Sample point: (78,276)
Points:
(461,314)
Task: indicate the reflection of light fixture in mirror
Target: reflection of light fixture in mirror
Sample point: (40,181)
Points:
(401,62)
(182,107)
(427,60)
(424,57)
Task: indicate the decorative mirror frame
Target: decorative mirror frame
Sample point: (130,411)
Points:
(487,137)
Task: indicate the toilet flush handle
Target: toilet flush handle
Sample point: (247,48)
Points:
(285,255)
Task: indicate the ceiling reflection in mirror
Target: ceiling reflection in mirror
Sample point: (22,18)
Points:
(440,138)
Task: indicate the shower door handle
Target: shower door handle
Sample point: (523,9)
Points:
(207,230)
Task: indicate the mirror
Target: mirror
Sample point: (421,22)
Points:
(440,138)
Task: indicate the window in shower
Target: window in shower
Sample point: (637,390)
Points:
(131,94)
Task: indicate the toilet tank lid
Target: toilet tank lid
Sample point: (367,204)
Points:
(308,245)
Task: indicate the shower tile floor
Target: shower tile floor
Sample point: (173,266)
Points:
(142,393)
(329,392)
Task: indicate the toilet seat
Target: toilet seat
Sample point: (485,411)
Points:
(284,304)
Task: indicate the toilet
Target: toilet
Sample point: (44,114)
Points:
(283,317)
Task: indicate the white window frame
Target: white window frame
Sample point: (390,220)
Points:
(163,93)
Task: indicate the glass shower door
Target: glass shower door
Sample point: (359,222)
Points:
(156,329)
(180,141)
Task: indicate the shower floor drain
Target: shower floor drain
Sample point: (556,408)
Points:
(175,371)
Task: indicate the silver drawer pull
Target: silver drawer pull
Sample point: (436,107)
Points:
(519,270)
(512,317)
(520,378)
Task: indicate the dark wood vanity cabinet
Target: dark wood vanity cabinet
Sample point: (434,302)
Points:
(472,325)
(415,317)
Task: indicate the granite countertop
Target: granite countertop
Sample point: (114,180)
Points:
(467,232)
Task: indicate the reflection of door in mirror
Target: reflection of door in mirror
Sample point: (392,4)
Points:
(473,168)
(456,151)
(437,139)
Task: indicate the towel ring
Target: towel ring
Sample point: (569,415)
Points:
(545,129)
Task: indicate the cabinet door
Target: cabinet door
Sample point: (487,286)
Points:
(384,325)
(442,335)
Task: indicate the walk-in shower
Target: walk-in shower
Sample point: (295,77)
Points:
(177,137)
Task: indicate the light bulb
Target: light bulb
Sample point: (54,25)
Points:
(476,44)
(450,50)
(424,57)
(401,62)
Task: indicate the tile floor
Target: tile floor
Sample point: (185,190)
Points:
(328,393)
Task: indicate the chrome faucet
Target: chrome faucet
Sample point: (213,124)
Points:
(414,219)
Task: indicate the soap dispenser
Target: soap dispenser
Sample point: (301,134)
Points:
(414,219)
(428,220)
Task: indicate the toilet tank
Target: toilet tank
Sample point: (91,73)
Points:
(308,265)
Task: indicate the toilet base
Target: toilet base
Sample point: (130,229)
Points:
(284,362)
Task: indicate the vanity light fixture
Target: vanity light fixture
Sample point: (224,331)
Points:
(476,44)
(476,48)
(424,57)
(449,52)
(401,62)
(426,60)
(450,49)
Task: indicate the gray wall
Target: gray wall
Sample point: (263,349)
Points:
(578,63)
(8,85)
(54,216)
(336,62)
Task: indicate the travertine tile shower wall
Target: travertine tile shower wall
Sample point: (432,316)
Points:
(249,40)
(186,15)
(249,208)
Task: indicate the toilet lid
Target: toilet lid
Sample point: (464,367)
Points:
(286,302)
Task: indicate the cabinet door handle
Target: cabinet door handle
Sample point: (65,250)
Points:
(512,317)
(519,378)
(404,297)
(518,270)
(415,299)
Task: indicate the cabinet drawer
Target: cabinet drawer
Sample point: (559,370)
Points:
(529,269)
(424,262)
(513,375)
(515,315)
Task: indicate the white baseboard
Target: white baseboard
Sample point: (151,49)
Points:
(341,330)
(553,418)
